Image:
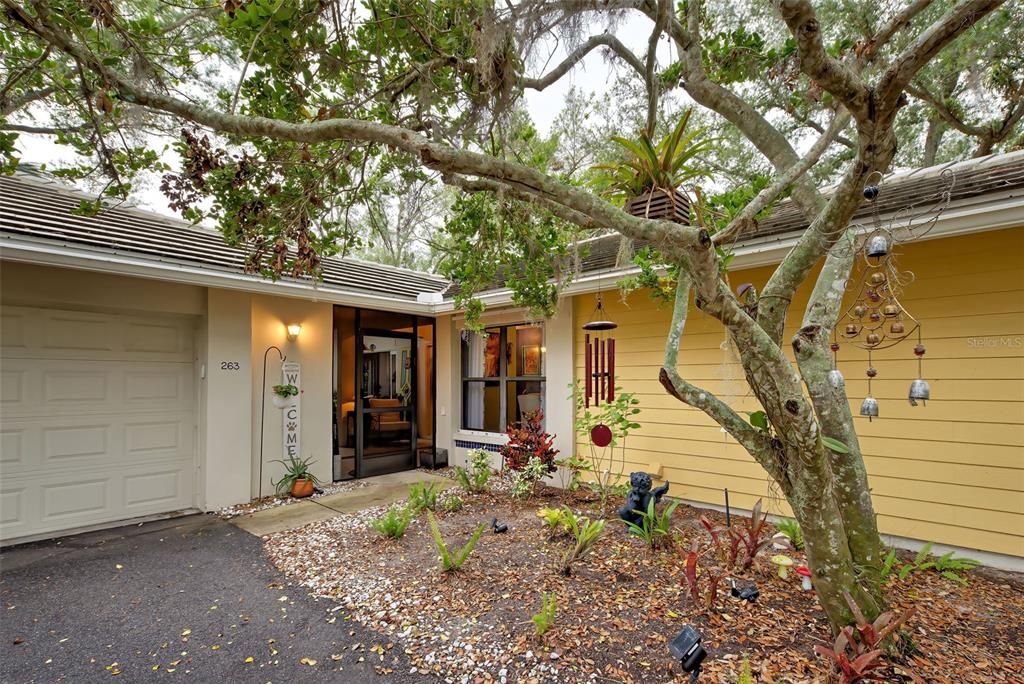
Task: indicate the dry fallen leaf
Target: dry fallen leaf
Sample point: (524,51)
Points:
(308,661)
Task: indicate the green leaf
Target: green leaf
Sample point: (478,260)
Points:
(759,419)
(835,445)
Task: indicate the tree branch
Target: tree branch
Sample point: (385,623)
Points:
(932,40)
(828,72)
(742,431)
(42,130)
(922,93)
(677,239)
(898,22)
(9,106)
(660,21)
(745,219)
(604,39)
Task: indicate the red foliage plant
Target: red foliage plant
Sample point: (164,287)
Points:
(753,537)
(527,439)
(856,657)
(693,581)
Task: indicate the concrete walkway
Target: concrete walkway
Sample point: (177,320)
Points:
(383,489)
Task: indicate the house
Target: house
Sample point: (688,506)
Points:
(134,348)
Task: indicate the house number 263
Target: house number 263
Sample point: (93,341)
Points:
(230,365)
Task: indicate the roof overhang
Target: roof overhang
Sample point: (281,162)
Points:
(46,253)
(990,212)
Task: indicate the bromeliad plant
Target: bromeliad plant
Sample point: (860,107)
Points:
(647,166)
(857,654)
(753,537)
(695,579)
(791,529)
(527,440)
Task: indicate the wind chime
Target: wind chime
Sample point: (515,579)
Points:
(877,320)
(599,367)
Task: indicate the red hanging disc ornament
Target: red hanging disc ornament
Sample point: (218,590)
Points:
(601,435)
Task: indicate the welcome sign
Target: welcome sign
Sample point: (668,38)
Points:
(292,421)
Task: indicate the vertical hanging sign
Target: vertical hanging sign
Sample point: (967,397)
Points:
(292,416)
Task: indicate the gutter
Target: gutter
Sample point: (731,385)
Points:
(1003,210)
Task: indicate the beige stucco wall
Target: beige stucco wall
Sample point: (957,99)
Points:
(50,286)
(313,351)
(225,401)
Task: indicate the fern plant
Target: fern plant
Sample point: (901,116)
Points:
(423,496)
(946,565)
(791,528)
(474,479)
(586,532)
(746,675)
(654,527)
(393,523)
(452,560)
(544,620)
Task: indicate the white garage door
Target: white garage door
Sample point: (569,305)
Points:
(96,418)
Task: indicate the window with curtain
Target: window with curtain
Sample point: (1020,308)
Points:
(502,376)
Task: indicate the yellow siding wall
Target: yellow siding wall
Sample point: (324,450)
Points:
(950,472)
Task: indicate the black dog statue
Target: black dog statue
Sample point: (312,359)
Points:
(639,497)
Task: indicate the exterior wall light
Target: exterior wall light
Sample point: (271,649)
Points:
(293,331)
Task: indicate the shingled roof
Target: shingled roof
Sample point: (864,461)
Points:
(973,179)
(40,210)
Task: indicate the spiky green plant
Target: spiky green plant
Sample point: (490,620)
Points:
(452,503)
(663,166)
(654,528)
(393,523)
(791,528)
(586,532)
(423,496)
(545,618)
(452,560)
(474,478)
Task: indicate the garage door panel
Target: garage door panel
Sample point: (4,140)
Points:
(60,334)
(98,419)
(79,443)
(60,387)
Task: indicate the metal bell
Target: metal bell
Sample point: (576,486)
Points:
(919,391)
(869,407)
(878,246)
(835,379)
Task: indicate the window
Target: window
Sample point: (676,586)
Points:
(502,376)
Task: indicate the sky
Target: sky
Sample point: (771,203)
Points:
(592,74)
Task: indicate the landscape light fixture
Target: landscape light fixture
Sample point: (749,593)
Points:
(293,331)
(687,650)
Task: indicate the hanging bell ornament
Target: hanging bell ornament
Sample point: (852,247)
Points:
(835,379)
(896,328)
(877,277)
(873,339)
(869,408)
(878,246)
(870,192)
(919,392)
(851,330)
(875,316)
(891,310)
(859,311)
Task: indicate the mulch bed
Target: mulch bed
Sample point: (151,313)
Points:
(621,606)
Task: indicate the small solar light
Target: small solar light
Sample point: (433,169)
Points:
(687,650)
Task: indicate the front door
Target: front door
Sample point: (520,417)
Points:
(386,402)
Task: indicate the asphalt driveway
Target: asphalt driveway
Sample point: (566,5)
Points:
(192,599)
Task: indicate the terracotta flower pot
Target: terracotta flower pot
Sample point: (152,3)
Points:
(302,488)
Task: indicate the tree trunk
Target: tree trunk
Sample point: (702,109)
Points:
(827,541)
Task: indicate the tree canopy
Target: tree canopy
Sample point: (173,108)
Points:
(288,114)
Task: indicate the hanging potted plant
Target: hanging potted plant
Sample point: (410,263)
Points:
(282,395)
(297,479)
(648,178)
